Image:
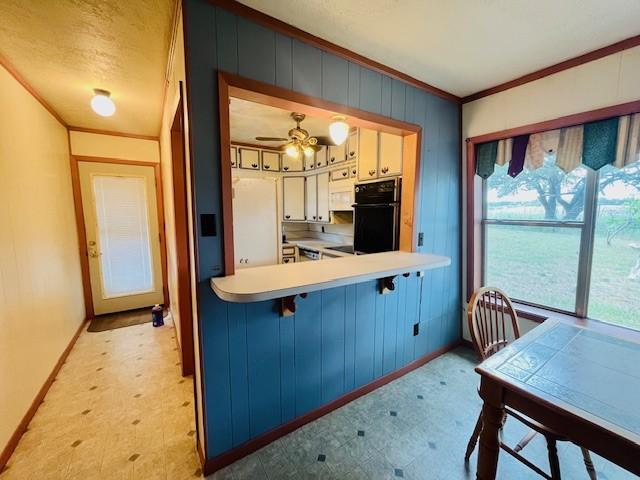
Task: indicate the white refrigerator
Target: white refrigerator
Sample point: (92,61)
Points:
(255,222)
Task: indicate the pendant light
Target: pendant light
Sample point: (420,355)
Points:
(339,130)
(102,104)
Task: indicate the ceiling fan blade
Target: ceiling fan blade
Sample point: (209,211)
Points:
(324,140)
(271,139)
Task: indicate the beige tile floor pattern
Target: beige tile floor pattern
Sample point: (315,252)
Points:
(119,409)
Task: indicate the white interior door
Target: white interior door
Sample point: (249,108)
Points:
(123,240)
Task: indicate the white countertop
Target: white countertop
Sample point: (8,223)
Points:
(282,280)
(319,245)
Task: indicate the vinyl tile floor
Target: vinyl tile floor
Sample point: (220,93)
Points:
(118,409)
(416,427)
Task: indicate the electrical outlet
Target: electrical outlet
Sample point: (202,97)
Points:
(416,329)
(420,239)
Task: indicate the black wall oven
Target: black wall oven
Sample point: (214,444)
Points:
(377,216)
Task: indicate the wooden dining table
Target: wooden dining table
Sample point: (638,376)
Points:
(583,384)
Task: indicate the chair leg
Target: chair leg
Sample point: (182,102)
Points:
(474,438)
(525,440)
(554,463)
(589,464)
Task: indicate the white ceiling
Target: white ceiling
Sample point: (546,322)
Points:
(463,46)
(65,48)
(249,120)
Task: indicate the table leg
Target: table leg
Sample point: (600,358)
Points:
(492,420)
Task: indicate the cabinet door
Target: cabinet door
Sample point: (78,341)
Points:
(291,164)
(249,158)
(234,157)
(337,153)
(339,174)
(368,155)
(352,145)
(323,196)
(312,198)
(270,161)
(390,155)
(321,157)
(309,162)
(293,198)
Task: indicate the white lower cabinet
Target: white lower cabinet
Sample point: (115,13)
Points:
(293,193)
(322,186)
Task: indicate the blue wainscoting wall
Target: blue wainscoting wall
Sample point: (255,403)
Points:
(262,370)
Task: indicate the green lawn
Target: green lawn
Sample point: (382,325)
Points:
(540,265)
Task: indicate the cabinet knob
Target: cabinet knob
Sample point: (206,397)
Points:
(285,168)
(266,167)
(318,164)
(353,172)
(333,159)
(344,174)
(314,217)
(351,154)
(371,173)
(254,165)
(385,169)
(320,217)
(287,216)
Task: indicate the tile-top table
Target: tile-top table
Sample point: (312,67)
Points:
(583,384)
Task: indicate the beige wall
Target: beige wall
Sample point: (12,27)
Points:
(41,303)
(177,75)
(112,146)
(608,81)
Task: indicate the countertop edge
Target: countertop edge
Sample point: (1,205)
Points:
(441,262)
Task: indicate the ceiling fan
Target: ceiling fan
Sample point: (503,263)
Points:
(298,140)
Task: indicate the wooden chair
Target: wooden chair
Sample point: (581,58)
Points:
(492,323)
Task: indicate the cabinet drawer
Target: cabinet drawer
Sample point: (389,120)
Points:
(288,250)
(249,158)
(339,174)
(288,259)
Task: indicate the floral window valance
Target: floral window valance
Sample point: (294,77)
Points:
(613,141)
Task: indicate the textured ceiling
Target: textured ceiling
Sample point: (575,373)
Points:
(249,120)
(463,46)
(65,48)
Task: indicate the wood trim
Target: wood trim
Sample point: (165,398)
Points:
(11,445)
(230,85)
(82,233)
(562,122)
(181,227)
(114,134)
(556,68)
(4,61)
(216,463)
(267,94)
(255,145)
(287,29)
(225,174)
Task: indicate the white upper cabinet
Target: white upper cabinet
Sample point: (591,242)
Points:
(309,162)
(293,198)
(323,197)
(321,157)
(368,155)
(234,157)
(312,198)
(337,153)
(291,164)
(390,155)
(249,158)
(352,145)
(270,161)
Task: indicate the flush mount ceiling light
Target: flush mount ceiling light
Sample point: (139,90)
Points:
(101,103)
(339,130)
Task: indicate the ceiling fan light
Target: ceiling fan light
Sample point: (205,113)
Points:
(308,151)
(291,150)
(102,104)
(339,130)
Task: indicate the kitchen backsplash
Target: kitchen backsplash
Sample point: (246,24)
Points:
(338,233)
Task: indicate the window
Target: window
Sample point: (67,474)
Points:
(569,242)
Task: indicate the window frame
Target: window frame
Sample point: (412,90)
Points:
(585,253)
(474,196)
